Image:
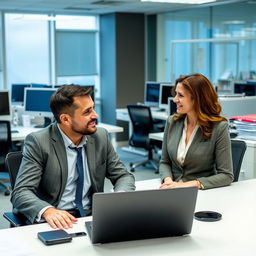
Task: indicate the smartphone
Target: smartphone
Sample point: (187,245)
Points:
(207,216)
(54,237)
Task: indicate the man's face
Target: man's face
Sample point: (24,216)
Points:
(83,121)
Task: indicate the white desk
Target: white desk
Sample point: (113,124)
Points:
(156,136)
(24,131)
(248,168)
(233,235)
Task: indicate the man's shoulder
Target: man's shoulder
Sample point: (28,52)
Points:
(101,132)
(44,133)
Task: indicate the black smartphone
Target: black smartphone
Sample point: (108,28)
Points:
(207,216)
(54,237)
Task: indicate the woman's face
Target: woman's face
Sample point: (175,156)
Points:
(183,100)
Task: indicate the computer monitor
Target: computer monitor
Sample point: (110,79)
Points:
(249,88)
(151,94)
(172,107)
(5,109)
(37,101)
(18,92)
(165,93)
(35,85)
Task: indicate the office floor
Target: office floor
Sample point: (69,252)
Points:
(141,173)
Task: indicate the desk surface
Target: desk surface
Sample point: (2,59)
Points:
(233,235)
(24,131)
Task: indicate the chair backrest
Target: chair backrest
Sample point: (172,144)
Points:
(5,137)
(12,162)
(142,123)
(238,148)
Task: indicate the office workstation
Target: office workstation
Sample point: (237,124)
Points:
(33,104)
(123,73)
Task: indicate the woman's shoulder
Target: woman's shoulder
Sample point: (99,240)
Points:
(221,125)
(171,119)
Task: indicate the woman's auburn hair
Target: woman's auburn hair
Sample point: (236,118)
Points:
(206,103)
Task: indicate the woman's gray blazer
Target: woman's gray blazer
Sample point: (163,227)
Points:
(207,160)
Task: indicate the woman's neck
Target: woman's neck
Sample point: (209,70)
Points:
(191,120)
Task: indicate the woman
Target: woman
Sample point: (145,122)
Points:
(196,146)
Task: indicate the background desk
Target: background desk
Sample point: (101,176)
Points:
(122,114)
(24,131)
(248,168)
(233,235)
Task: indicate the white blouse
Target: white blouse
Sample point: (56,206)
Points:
(183,148)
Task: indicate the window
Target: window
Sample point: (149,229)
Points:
(27,48)
(77,51)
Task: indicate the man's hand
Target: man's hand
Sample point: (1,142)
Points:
(58,218)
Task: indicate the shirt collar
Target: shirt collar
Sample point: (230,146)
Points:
(67,141)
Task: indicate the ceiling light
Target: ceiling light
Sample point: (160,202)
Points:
(234,22)
(181,1)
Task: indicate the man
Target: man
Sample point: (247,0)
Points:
(49,179)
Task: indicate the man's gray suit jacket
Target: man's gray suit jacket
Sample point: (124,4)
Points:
(42,176)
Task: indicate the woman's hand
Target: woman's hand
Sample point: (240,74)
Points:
(168,183)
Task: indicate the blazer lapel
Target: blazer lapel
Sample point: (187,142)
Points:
(195,143)
(90,151)
(58,145)
(175,136)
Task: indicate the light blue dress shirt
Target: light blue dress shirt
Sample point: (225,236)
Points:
(67,200)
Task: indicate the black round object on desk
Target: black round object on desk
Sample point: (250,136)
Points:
(208,216)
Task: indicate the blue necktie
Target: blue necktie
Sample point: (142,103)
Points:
(80,181)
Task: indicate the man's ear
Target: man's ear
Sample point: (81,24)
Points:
(65,119)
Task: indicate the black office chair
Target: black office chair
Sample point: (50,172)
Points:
(238,148)
(143,124)
(5,147)
(12,162)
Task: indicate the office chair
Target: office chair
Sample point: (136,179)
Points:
(5,147)
(12,162)
(238,148)
(143,124)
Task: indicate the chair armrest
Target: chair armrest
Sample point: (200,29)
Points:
(16,220)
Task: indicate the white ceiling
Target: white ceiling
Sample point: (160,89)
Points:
(95,6)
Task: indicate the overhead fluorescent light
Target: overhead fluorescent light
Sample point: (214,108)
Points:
(234,22)
(181,1)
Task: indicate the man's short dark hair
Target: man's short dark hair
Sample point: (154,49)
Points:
(63,100)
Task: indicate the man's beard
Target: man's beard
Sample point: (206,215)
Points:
(85,130)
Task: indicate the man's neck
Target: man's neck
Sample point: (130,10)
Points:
(73,136)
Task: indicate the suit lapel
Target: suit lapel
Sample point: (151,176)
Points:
(195,143)
(58,145)
(90,150)
(175,135)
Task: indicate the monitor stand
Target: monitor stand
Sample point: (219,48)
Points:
(47,121)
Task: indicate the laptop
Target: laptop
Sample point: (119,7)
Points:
(143,214)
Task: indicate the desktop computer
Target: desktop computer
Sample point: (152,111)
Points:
(151,94)
(37,104)
(166,91)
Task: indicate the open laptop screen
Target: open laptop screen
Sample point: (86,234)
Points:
(142,214)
